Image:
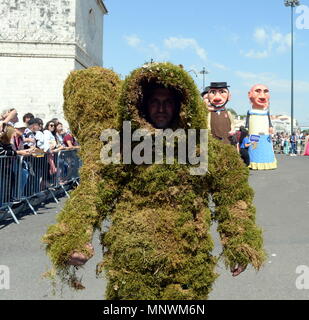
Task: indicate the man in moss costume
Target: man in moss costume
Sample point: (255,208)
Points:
(158,245)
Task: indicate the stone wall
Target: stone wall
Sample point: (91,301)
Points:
(41,41)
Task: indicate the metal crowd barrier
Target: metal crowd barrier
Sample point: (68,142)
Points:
(22,178)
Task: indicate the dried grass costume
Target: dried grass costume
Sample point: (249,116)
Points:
(159,244)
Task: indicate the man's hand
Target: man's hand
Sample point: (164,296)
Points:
(79,259)
(238,270)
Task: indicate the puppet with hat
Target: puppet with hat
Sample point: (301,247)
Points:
(220,121)
(260,128)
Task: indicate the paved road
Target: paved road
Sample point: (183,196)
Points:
(282,202)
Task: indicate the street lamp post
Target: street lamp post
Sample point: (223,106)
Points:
(204,72)
(292,4)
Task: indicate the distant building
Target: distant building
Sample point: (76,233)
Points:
(40,43)
(282,123)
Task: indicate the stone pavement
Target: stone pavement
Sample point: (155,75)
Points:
(282,202)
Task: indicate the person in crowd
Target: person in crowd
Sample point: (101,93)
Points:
(55,121)
(39,136)
(17,140)
(299,142)
(244,144)
(286,144)
(27,117)
(6,147)
(51,146)
(282,140)
(9,116)
(293,141)
(9,177)
(306,149)
(50,141)
(60,133)
(29,133)
(26,167)
(69,141)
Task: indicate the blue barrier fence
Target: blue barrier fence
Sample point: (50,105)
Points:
(22,178)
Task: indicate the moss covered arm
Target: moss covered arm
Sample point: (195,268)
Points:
(241,238)
(90,106)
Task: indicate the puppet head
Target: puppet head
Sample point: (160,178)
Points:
(259,96)
(218,95)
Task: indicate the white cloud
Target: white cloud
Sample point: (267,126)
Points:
(157,54)
(273,82)
(271,40)
(260,35)
(184,43)
(220,66)
(133,40)
(257,54)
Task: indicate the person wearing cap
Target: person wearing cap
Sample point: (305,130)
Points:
(220,121)
(18,143)
(39,135)
(29,134)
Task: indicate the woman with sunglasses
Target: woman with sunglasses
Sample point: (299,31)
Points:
(50,140)
(50,146)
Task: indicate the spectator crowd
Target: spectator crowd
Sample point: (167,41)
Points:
(293,145)
(36,142)
(31,137)
(296,144)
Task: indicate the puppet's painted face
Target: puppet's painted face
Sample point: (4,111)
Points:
(218,97)
(259,96)
(161,108)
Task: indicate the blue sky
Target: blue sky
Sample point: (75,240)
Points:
(241,42)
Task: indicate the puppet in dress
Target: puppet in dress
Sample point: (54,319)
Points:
(261,152)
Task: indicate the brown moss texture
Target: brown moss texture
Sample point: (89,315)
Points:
(158,245)
(90,104)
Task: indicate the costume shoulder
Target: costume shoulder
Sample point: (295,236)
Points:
(91,98)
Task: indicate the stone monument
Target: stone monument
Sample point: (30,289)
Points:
(41,41)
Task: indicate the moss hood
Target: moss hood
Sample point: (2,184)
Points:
(192,111)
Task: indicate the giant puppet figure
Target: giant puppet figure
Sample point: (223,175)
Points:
(260,128)
(158,244)
(220,121)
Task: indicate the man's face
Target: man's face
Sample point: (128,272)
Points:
(218,97)
(35,127)
(259,96)
(161,108)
